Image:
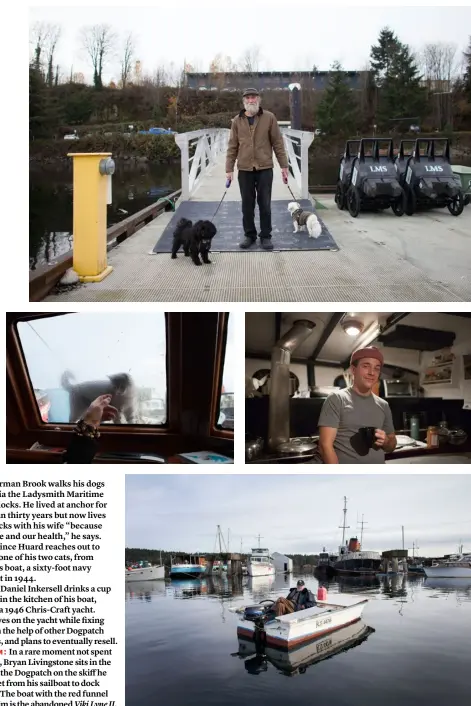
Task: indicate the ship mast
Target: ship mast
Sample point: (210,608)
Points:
(344,526)
(259,537)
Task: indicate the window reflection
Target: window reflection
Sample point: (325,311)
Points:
(226,405)
(74,358)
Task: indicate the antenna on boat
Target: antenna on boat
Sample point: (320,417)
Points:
(344,526)
(402,536)
(361,534)
(259,537)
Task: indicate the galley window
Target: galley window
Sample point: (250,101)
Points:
(75,357)
(223,402)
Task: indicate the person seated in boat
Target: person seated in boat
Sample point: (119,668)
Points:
(298,598)
(84,443)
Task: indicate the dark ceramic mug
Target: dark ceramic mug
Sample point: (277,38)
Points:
(368,435)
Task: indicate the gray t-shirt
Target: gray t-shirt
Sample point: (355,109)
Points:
(347,411)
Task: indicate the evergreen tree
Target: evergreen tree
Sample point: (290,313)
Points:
(337,111)
(400,93)
(382,56)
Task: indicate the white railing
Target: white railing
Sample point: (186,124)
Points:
(297,143)
(205,146)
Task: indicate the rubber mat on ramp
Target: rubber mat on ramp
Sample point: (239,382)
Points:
(228,221)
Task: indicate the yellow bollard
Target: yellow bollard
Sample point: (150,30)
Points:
(89,229)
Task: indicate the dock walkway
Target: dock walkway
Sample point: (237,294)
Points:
(426,257)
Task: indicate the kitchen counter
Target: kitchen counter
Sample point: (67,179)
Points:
(439,455)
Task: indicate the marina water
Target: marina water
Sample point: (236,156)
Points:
(412,646)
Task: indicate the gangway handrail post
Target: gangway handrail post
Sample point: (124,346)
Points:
(209,143)
(300,171)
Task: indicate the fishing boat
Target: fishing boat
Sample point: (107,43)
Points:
(456,566)
(290,631)
(295,662)
(187,568)
(144,571)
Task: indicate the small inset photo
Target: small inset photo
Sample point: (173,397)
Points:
(120,387)
(364,388)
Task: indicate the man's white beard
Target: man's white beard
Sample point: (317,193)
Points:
(252,108)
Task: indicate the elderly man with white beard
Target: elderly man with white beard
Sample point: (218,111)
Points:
(255,134)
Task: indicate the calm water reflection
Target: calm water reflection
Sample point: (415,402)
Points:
(411,647)
(50,193)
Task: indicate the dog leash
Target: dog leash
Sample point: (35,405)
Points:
(228,183)
(285,181)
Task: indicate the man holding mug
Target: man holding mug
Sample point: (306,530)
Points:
(355,425)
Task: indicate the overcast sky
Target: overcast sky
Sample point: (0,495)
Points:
(93,346)
(298,513)
(292,35)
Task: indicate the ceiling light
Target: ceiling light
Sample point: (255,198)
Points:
(352,327)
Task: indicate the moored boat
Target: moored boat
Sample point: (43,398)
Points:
(193,567)
(354,561)
(260,563)
(456,566)
(143,571)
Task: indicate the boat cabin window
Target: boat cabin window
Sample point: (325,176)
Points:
(68,354)
(225,366)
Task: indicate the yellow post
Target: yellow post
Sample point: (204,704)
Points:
(90,197)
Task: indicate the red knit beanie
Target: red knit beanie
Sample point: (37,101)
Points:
(370,352)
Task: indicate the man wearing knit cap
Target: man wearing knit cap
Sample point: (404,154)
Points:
(345,411)
(255,134)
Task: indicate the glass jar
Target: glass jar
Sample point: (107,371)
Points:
(432,437)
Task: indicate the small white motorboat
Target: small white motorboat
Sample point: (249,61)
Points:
(144,573)
(293,630)
(458,566)
(294,662)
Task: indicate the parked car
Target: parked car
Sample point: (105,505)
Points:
(414,128)
(72,136)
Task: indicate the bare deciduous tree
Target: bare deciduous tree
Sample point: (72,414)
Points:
(99,42)
(129,50)
(39,39)
(219,67)
(53,35)
(250,60)
(438,62)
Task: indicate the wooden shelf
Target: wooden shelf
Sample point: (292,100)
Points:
(436,382)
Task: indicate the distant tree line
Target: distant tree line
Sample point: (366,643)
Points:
(432,86)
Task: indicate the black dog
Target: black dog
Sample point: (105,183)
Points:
(121,387)
(196,239)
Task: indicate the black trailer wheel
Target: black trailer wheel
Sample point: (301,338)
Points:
(399,205)
(411,201)
(353,201)
(456,205)
(340,197)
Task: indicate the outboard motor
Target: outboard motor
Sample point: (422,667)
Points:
(427,177)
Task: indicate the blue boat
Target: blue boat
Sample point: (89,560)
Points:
(186,568)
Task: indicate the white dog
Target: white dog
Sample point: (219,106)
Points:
(304,220)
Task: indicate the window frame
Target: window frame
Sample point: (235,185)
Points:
(221,343)
(18,375)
